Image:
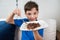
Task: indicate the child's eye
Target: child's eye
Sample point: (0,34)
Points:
(29,13)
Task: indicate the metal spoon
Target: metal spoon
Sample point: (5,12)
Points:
(17,7)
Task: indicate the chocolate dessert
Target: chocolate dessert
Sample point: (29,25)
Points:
(33,25)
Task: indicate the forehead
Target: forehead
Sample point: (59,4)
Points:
(32,10)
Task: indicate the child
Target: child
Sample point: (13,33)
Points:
(31,12)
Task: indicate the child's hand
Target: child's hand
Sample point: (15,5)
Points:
(17,12)
(11,16)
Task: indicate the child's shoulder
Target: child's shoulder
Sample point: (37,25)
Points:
(21,19)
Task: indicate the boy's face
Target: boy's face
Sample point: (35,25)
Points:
(32,14)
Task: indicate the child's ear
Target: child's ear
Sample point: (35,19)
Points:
(38,11)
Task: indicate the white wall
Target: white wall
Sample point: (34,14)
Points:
(58,17)
(48,9)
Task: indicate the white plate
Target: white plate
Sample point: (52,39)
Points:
(41,22)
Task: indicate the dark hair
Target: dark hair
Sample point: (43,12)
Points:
(29,5)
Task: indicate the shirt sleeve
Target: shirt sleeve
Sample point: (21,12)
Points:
(41,32)
(18,22)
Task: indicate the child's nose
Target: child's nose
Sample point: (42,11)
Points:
(32,16)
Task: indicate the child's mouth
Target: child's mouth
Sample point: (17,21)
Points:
(32,19)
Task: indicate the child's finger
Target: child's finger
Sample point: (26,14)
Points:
(33,30)
(19,12)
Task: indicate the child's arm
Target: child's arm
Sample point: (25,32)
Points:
(37,36)
(11,16)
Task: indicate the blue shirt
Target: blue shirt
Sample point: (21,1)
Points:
(7,30)
(27,35)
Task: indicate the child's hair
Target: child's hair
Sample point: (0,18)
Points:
(29,5)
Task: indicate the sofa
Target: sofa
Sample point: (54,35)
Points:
(49,32)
